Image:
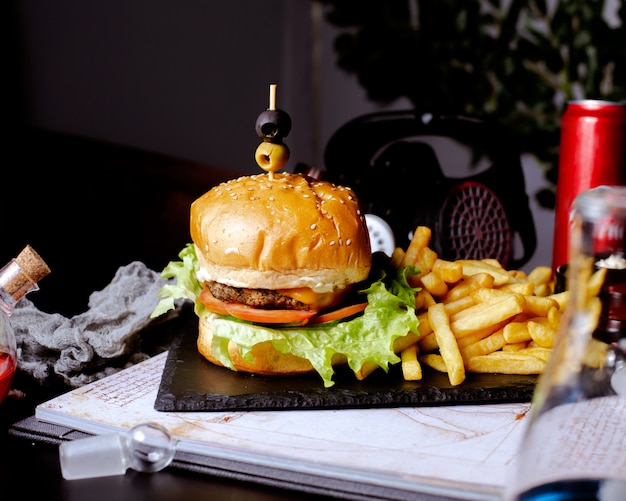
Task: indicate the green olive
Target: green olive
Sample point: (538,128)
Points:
(271,157)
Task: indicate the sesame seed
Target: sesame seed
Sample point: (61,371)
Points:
(348,242)
(313,226)
(332,242)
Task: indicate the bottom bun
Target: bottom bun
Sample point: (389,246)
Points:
(267,360)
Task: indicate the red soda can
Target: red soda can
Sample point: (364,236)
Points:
(592,152)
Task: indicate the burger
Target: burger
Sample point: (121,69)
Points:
(284,282)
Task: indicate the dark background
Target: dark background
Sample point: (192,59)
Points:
(119,115)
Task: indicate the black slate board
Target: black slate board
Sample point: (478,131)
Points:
(191,383)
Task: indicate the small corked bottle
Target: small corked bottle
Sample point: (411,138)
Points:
(17,278)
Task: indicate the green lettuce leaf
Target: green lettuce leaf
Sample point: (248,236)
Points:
(186,285)
(367,338)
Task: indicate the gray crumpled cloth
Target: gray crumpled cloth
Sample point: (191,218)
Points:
(93,344)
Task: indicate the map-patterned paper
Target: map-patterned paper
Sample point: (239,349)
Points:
(463,452)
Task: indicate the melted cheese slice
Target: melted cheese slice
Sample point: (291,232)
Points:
(315,300)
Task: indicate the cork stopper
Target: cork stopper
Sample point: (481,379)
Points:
(32,264)
(21,276)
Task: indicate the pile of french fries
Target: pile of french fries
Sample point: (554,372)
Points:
(476,316)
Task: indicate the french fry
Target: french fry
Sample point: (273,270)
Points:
(540,275)
(435,361)
(554,317)
(403,342)
(446,340)
(366,369)
(420,240)
(595,308)
(411,368)
(539,306)
(518,275)
(423,327)
(476,336)
(457,305)
(514,346)
(539,352)
(516,332)
(595,282)
(428,343)
(474,266)
(434,284)
(524,288)
(544,289)
(491,343)
(426,258)
(561,298)
(506,362)
(596,355)
(449,271)
(426,299)
(483,315)
(467,286)
(541,332)
(397,257)
(484,294)
(419,301)
(492,262)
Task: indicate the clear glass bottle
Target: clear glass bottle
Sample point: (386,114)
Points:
(17,278)
(574,446)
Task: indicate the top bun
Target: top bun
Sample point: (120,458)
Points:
(281,232)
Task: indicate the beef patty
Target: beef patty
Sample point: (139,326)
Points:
(261,298)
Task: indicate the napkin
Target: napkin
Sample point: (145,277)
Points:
(102,340)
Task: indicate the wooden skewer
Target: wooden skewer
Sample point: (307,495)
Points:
(272,107)
(272,97)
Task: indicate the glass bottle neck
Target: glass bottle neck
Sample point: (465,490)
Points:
(597,260)
(14,285)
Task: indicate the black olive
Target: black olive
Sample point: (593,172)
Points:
(273,125)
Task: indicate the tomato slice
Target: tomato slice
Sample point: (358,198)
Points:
(252,314)
(212,303)
(260,315)
(338,314)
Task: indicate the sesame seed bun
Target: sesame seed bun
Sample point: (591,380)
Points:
(285,232)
